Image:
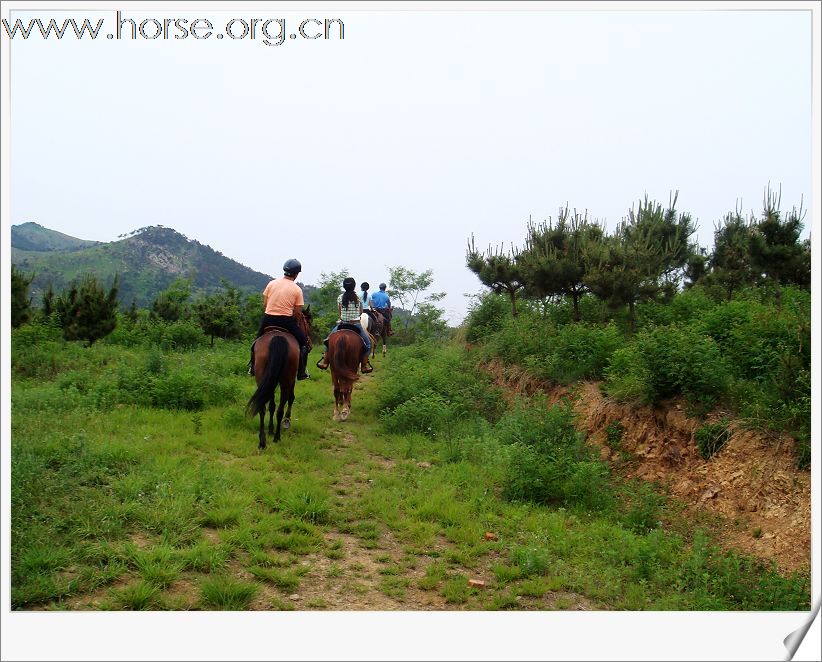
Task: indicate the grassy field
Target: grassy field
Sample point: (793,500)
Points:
(137,484)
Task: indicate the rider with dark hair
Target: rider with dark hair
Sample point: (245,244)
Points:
(350,309)
(282,298)
(381,302)
(366,297)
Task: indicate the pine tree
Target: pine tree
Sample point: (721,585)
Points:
(171,304)
(219,314)
(498,270)
(87,312)
(20,300)
(777,255)
(731,263)
(643,259)
(554,259)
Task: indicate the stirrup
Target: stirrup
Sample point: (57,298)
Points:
(364,371)
(322,367)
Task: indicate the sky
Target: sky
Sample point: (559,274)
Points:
(394,145)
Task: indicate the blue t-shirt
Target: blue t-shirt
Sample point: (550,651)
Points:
(380,300)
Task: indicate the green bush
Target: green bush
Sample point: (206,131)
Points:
(485,316)
(666,361)
(711,437)
(546,461)
(425,412)
(527,335)
(578,351)
(438,370)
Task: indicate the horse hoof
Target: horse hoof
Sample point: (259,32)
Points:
(344,415)
(286,423)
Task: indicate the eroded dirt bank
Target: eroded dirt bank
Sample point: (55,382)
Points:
(752,484)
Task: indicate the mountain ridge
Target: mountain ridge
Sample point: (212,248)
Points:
(146,262)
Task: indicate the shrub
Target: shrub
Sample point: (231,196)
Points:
(485,316)
(663,362)
(546,461)
(426,412)
(711,437)
(438,374)
(578,351)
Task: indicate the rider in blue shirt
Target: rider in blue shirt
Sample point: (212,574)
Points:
(380,301)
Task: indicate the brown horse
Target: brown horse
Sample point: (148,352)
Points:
(377,329)
(345,349)
(276,358)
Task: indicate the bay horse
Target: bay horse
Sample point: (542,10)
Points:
(345,349)
(377,327)
(276,358)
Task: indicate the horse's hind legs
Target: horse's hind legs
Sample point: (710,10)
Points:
(262,430)
(287,418)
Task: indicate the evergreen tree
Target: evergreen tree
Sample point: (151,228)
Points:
(87,312)
(554,259)
(498,270)
(731,263)
(172,303)
(643,259)
(20,300)
(48,301)
(219,314)
(131,313)
(776,253)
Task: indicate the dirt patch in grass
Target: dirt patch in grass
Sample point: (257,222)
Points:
(359,580)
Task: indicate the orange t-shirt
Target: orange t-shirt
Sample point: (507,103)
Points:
(281,295)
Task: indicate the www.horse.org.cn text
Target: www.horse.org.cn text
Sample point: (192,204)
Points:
(269,31)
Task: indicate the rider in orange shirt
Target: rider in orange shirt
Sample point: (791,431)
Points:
(282,297)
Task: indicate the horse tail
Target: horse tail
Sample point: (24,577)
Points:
(277,357)
(339,361)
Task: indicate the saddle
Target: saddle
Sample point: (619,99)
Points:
(270,329)
(344,326)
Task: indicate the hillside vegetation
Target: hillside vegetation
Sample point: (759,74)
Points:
(146,263)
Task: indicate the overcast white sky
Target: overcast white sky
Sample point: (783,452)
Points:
(394,145)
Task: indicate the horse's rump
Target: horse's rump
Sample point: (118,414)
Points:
(345,348)
(279,353)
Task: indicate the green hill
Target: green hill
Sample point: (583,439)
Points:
(34,237)
(147,261)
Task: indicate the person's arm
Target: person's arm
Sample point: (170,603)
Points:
(298,302)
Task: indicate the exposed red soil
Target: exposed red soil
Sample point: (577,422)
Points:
(752,484)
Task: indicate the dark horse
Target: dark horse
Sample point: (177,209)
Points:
(378,329)
(345,349)
(276,358)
